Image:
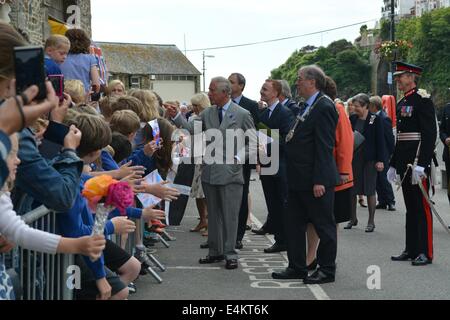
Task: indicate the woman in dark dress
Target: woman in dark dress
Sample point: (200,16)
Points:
(368,160)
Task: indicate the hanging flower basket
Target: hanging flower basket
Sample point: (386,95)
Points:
(393,50)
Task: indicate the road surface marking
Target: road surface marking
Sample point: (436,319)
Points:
(316,289)
(194,268)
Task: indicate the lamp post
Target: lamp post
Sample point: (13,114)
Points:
(392,35)
(204,69)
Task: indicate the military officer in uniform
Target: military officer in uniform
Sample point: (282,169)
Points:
(416,128)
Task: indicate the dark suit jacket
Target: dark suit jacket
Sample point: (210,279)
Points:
(444,131)
(310,158)
(375,144)
(388,134)
(252,107)
(293,106)
(281,119)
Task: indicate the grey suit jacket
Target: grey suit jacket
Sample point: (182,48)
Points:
(236,117)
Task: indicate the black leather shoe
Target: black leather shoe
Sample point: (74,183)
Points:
(259,232)
(312,266)
(421,260)
(351,224)
(404,256)
(318,277)
(289,273)
(239,245)
(381,206)
(204,245)
(231,264)
(211,259)
(391,207)
(275,248)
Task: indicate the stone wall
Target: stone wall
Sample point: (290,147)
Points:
(31,16)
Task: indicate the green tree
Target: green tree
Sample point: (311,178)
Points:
(346,64)
(430,36)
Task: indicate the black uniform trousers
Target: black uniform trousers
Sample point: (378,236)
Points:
(419,219)
(276,194)
(304,208)
(385,194)
(243,212)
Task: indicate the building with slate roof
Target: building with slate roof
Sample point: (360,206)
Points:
(162,68)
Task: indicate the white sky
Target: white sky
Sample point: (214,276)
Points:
(212,23)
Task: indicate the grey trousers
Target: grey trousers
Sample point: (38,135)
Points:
(223,203)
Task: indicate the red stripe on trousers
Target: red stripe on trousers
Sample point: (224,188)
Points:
(429,218)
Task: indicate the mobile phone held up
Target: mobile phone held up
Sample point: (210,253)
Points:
(56,133)
(57,82)
(30,70)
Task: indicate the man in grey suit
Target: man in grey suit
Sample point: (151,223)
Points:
(222,178)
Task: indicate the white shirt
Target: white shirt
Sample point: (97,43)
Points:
(13,228)
(238,99)
(225,108)
(272,107)
(310,101)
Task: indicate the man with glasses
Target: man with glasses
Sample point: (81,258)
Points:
(312,177)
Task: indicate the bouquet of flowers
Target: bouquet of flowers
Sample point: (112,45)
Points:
(103,194)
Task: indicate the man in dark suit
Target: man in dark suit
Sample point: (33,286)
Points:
(312,177)
(385,194)
(238,83)
(276,117)
(285,98)
(444,133)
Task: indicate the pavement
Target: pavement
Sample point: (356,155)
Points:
(364,268)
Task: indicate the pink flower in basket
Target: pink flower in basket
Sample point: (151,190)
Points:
(121,196)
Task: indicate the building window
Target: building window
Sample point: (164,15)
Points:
(135,82)
(174,77)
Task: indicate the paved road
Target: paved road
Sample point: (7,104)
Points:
(185,279)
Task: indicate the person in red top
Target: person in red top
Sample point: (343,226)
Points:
(343,154)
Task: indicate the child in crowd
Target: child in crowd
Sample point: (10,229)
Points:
(128,103)
(121,146)
(75,89)
(56,50)
(14,229)
(125,122)
(141,156)
(95,136)
(105,107)
(150,111)
(96,280)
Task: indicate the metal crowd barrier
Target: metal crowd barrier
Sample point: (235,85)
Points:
(42,276)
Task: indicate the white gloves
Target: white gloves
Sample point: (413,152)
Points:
(392,175)
(418,174)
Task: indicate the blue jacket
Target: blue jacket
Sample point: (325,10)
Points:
(54,184)
(5,147)
(108,163)
(138,158)
(51,67)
